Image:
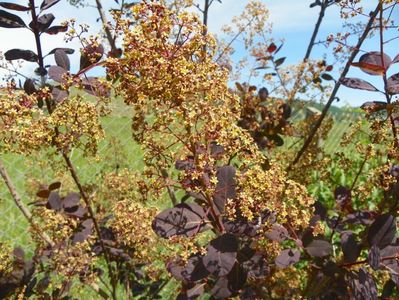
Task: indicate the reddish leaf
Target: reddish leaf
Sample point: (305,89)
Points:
(14,6)
(221,255)
(8,20)
(272,48)
(43,194)
(175,267)
(371,63)
(327,77)
(54,186)
(84,231)
(357,83)
(27,55)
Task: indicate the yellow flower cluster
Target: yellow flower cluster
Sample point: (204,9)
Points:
(6,260)
(260,190)
(26,128)
(132,227)
(180,97)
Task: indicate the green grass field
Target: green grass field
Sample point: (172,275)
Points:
(117,150)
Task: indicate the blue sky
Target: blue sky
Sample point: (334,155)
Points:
(292,20)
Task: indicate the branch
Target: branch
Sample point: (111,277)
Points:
(104,21)
(337,85)
(18,202)
(66,157)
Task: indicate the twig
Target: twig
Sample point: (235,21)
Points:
(323,8)
(336,87)
(18,202)
(171,192)
(384,77)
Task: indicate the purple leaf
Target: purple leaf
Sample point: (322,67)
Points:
(374,106)
(66,50)
(256,266)
(277,233)
(319,248)
(357,83)
(374,257)
(43,22)
(56,73)
(194,269)
(287,258)
(383,231)
(226,186)
(183,219)
(48,3)
(13,6)
(54,201)
(228,286)
(29,86)
(56,29)
(59,95)
(62,60)
(221,255)
(27,55)
(71,200)
(363,286)
(393,84)
(350,247)
(8,20)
